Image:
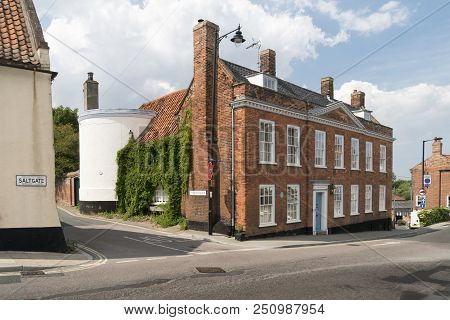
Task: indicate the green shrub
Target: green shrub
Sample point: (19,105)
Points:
(144,167)
(182,222)
(432,216)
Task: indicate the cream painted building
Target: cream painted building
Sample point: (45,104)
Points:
(28,216)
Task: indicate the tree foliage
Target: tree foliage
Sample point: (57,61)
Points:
(402,188)
(65,115)
(66,141)
(144,167)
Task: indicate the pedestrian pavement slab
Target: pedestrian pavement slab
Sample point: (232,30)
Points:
(12,261)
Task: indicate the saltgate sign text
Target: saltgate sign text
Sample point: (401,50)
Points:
(31,181)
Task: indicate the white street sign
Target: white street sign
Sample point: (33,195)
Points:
(31,181)
(197,193)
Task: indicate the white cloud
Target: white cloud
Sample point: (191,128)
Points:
(363,21)
(112,32)
(416,113)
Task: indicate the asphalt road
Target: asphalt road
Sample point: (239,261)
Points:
(148,265)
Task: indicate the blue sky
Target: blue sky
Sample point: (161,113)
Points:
(147,44)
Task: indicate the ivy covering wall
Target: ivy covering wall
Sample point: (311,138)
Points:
(144,167)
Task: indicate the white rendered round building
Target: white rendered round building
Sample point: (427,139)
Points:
(103,132)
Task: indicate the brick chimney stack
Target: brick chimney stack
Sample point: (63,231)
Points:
(358,99)
(327,87)
(267,59)
(90,90)
(437,147)
(205,34)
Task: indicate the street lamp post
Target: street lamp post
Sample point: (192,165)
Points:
(237,39)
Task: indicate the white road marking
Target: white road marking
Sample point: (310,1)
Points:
(127,261)
(156,258)
(158,245)
(385,244)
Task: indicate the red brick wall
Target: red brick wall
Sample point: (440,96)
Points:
(280,175)
(65,193)
(432,166)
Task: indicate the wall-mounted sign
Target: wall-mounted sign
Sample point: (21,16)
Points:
(31,181)
(427,180)
(197,193)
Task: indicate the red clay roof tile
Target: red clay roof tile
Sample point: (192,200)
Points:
(15,43)
(165,122)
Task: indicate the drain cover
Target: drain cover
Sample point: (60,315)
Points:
(210,270)
(32,273)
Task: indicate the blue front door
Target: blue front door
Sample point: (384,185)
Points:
(318,211)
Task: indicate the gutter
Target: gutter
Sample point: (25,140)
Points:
(28,68)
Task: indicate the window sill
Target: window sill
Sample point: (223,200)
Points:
(337,217)
(293,221)
(339,168)
(354,214)
(368,211)
(383,171)
(382,211)
(320,167)
(369,170)
(269,163)
(355,169)
(293,165)
(267,225)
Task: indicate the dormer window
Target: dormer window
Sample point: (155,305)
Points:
(269,83)
(264,80)
(363,113)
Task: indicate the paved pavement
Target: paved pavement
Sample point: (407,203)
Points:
(150,264)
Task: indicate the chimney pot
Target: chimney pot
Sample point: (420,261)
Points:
(358,99)
(90,90)
(267,59)
(327,87)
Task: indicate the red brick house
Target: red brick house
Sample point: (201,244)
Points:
(438,166)
(288,160)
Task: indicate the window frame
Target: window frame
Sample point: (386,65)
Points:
(384,168)
(298,152)
(357,154)
(272,149)
(161,194)
(272,222)
(324,153)
(448,201)
(341,206)
(368,201)
(269,80)
(298,217)
(342,166)
(369,168)
(352,187)
(382,208)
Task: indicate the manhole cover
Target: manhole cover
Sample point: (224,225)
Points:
(210,270)
(32,273)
